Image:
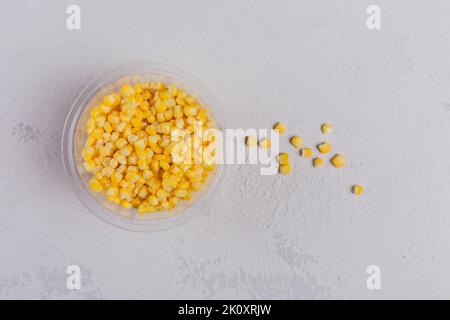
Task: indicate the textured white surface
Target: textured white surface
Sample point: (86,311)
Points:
(301,62)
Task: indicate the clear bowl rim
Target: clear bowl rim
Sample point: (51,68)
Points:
(68,152)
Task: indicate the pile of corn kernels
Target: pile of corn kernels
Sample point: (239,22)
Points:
(130,146)
(338,160)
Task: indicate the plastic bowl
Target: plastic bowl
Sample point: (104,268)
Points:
(74,136)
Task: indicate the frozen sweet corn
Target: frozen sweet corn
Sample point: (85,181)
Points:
(338,161)
(285,169)
(327,128)
(283,158)
(357,190)
(317,162)
(265,143)
(306,152)
(324,147)
(296,141)
(279,127)
(251,141)
(132,154)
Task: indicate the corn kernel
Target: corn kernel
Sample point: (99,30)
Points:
(109,101)
(127,90)
(112,191)
(283,158)
(279,127)
(306,152)
(357,190)
(338,161)
(146,208)
(296,141)
(327,128)
(251,141)
(190,111)
(265,143)
(324,147)
(95,185)
(116,177)
(285,169)
(317,162)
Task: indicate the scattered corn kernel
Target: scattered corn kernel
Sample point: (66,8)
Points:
(297,142)
(357,189)
(327,128)
(281,128)
(265,143)
(324,147)
(317,162)
(251,141)
(338,161)
(129,147)
(285,169)
(283,158)
(306,152)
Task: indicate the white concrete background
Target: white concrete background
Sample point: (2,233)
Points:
(302,62)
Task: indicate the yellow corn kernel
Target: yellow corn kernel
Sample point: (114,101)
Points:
(251,141)
(112,191)
(190,111)
(121,143)
(178,111)
(95,185)
(146,208)
(357,190)
(89,165)
(105,109)
(110,100)
(116,177)
(283,158)
(173,90)
(126,204)
(161,193)
(107,171)
(279,127)
(127,90)
(153,200)
(327,128)
(165,205)
(338,161)
(297,142)
(317,162)
(181,193)
(138,88)
(173,201)
(114,199)
(151,130)
(95,112)
(265,143)
(324,147)
(160,106)
(285,169)
(88,152)
(306,152)
(125,194)
(126,150)
(143,192)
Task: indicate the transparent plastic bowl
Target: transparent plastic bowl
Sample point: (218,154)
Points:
(74,137)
